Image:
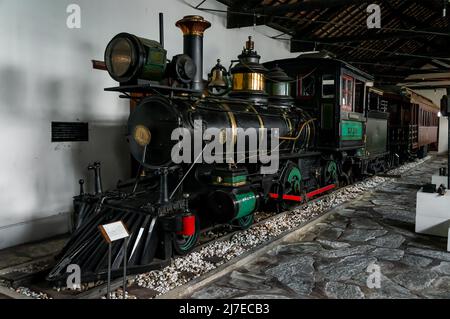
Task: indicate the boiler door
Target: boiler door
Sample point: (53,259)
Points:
(150,129)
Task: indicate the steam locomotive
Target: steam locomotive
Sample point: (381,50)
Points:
(331,124)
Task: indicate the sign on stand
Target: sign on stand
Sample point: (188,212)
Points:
(114,232)
(111,233)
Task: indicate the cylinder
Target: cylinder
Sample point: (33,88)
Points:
(228,205)
(193,28)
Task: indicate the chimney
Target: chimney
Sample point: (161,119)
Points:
(193,28)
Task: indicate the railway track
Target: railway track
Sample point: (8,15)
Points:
(34,280)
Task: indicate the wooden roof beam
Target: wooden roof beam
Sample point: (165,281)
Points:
(370,36)
(307,6)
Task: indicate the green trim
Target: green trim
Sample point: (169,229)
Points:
(246,204)
(331,172)
(351,131)
(235,179)
(230,180)
(156,64)
(189,243)
(295,179)
(279,89)
(246,222)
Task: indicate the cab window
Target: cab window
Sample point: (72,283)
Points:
(328,86)
(306,85)
(347,95)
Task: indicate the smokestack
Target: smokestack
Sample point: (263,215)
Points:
(193,28)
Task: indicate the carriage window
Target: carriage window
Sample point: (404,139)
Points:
(347,93)
(306,85)
(415,114)
(328,86)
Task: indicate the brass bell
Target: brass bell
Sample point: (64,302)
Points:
(218,78)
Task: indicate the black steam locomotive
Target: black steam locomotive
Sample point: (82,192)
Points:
(331,125)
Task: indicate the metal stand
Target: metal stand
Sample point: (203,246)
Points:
(109,270)
(125,245)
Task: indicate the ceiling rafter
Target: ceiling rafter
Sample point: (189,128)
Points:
(413,33)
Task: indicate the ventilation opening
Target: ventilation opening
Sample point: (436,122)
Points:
(70,132)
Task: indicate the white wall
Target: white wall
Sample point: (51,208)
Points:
(436,96)
(46,75)
(443,135)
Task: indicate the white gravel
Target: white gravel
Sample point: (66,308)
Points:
(30,293)
(118,294)
(84,287)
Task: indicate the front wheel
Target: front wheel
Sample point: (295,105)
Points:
(183,245)
(330,173)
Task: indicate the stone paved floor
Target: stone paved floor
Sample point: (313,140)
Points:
(333,258)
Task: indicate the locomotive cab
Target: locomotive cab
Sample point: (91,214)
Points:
(335,94)
(351,131)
